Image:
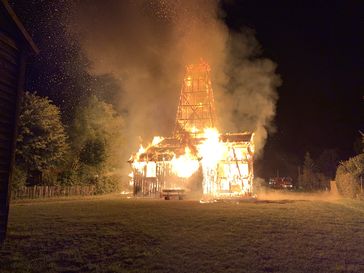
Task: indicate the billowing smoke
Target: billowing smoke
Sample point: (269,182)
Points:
(144,45)
(248,100)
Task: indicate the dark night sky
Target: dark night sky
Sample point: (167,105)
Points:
(318,46)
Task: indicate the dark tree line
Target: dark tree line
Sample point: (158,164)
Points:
(315,174)
(349,175)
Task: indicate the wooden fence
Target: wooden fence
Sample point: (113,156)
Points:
(51,191)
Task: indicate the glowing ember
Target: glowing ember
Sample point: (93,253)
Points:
(140,151)
(157,140)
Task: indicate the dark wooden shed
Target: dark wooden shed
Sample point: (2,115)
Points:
(15,46)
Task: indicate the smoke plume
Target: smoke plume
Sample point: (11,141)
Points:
(145,45)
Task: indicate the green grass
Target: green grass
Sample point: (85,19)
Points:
(119,235)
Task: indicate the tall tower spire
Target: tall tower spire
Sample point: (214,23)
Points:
(196,108)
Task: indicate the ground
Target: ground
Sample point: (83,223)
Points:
(111,234)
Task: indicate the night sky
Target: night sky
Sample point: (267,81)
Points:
(317,45)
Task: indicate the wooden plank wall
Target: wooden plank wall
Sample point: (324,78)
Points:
(10,83)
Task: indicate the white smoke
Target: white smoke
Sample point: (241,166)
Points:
(145,46)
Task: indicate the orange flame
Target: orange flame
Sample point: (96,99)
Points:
(225,165)
(185,165)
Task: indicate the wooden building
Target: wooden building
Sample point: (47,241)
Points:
(15,46)
(197,158)
(230,176)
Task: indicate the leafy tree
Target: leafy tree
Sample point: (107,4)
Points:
(42,140)
(307,178)
(93,152)
(98,121)
(328,162)
(97,142)
(358,145)
(311,179)
(70,172)
(19,178)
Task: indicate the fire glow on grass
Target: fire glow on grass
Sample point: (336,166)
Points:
(197,156)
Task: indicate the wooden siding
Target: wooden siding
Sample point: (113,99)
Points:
(10,72)
(15,45)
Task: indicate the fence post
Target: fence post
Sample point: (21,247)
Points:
(35,192)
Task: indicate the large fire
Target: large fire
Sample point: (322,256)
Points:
(185,165)
(197,157)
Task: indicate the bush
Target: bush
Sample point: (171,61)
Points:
(19,178)
(107,184)
(348,176)
(69,177)
(49,178)
(93,152)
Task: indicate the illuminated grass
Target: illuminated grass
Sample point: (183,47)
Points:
(118,235)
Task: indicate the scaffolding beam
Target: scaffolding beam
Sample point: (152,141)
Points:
(196,108)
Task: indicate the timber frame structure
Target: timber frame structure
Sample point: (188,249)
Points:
(156,173)
(232,176)
(196,107)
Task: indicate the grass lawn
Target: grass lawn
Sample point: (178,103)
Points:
(111,234)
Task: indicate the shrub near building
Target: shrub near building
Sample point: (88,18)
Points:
(349,175)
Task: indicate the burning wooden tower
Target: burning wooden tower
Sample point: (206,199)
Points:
(220,164)
(196,108)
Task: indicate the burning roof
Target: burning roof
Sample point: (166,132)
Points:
(225,161)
